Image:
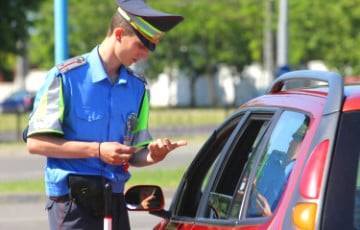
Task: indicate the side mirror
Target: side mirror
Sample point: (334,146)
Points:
(144,198)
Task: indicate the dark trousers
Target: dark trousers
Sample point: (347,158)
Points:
(64,214)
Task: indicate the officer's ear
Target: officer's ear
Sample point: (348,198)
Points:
(118,32)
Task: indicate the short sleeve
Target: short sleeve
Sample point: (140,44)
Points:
(141,132)
(48,113)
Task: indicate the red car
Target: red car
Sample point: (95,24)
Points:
(286,160)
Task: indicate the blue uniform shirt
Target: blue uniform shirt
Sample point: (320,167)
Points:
(79,102)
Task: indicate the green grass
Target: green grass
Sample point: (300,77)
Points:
(165,178)
(187,117)
(12,146)
(168,179)
(158,118)
(9,122)
(22,186)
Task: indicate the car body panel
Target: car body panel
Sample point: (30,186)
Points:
(352,102)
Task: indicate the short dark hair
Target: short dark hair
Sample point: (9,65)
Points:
(118,21)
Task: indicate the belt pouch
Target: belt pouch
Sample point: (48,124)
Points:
(88,193)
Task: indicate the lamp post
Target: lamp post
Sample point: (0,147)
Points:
(61,31)
(282,39)
(268,41)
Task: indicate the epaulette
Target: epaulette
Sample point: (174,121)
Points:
(139,76)
(70,64)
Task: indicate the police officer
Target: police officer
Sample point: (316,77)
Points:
(90,121)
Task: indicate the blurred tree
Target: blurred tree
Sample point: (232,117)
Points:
(15,20)
(327,30)
(213,32)
(88,23)
(229,31)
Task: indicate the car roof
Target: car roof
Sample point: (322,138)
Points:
(308,101)
(349,90)
(307,98)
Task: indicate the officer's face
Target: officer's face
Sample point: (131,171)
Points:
(131,50)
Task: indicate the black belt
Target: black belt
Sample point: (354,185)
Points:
(66,197)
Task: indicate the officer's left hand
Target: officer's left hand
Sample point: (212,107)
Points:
(161,147)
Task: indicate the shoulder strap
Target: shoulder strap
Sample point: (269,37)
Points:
(70,64)
(140,77)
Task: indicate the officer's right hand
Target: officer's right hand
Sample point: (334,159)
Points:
(115,153)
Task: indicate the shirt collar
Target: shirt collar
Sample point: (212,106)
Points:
(98,72)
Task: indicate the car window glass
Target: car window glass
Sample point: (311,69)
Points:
(357,201)
(208,174)
(221,196)
(250,164)
(197,176)
(276,164)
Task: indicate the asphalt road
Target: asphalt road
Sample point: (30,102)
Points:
(26,211)
(30,215)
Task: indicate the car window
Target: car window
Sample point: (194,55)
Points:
(357,200)
(237,201)
(197,176)
(221,195)
(276,164)
(209,173)
(341,204)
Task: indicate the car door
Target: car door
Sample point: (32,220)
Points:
(190,190)
(187,199)
(220,188)
(250,177)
